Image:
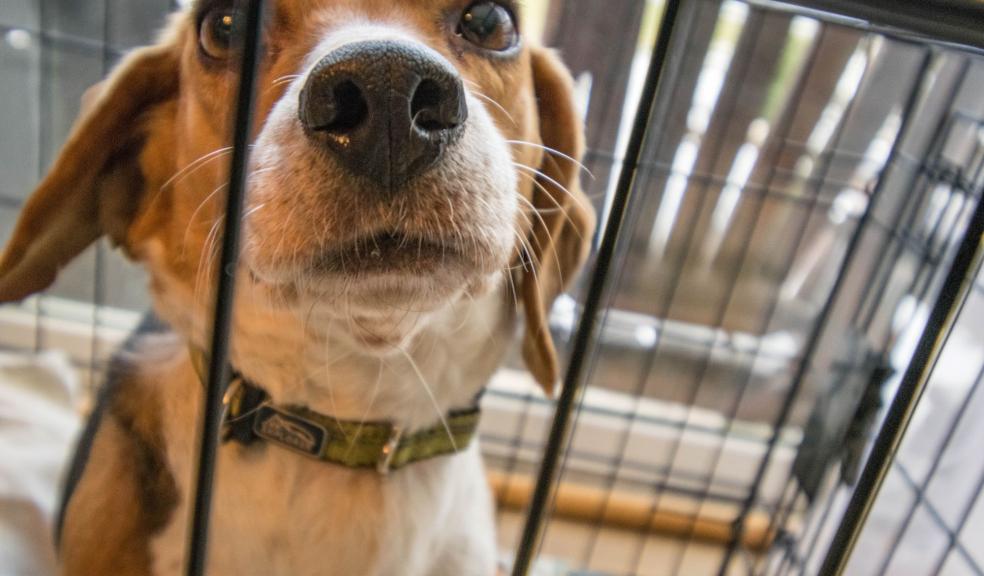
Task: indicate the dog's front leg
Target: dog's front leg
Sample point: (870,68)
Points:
(113,512)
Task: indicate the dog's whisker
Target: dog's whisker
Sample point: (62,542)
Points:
(561,187)
(286,78)
(530,261)
(277,82)
(191,219)
(253,210)
(314,302)
(523,245)
(205,261)
(535,261)
(365,413)
(430,395)
(546,229)
(556,203)
(330,386)
(263,171)
(513,289)
(554,152)
(196,164)
(558,207)
(212,250)
(492,101)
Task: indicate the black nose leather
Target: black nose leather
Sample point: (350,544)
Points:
(386,109)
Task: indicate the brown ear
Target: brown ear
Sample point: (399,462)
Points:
(560,238)
(95,184)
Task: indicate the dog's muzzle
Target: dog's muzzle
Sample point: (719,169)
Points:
(386,109)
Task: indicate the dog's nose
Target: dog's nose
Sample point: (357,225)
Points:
(387,109)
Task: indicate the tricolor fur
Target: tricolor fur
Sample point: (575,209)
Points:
(406,340)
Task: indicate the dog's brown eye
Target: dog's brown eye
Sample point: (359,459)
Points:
(488,25)
(217,31)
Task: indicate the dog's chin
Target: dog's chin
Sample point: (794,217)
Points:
(383,275)
(380,301)
(385,292)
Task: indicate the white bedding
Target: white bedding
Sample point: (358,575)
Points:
(39,420)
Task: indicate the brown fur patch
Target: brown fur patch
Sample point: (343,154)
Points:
(561,238)
(137,411)
(127,494)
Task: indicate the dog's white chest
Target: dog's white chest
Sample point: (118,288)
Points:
(278,513)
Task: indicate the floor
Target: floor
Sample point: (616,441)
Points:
(574,548)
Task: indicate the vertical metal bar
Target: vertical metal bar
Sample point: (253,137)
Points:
(573,383)
(877,284)
(937,460)
(98,276)
(903,405)
(907,217)
(770,157)
(638,392)
(690,30)
(573,31)
(813,341)
(44,133)
(218,370)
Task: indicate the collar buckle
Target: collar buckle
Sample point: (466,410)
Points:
(232,399)
(239,408)
(388,451)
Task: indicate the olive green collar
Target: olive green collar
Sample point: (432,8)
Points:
(250,415)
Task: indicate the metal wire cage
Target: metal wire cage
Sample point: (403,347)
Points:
(789,262)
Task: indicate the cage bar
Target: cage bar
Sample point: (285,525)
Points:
(923,206)
(573,382)
(218,369)
(913,384)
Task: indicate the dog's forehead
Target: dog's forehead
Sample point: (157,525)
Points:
(302,32)
(298,28)
(302,7)
(297,13)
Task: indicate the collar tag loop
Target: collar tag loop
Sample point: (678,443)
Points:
(389,451)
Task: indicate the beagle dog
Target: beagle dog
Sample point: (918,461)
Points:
(412,189)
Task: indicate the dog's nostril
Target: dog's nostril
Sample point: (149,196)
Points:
(339,109)
(387,110)
(425,101)
(432,109)
(351,108)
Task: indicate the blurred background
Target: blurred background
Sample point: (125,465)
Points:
(804,183)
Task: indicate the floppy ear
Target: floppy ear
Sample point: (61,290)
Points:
(560,238)
(95,184)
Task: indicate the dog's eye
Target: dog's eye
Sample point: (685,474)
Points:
(488,25)
(218,31)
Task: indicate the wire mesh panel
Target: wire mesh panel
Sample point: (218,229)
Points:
(953,189)
(802,189)
(51,53)
(798,185)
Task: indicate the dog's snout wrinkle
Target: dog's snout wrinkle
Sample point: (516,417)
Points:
(386,109)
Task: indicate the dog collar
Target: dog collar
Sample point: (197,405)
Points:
(250,415)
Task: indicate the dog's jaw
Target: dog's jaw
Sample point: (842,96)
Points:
(335,236)
(410,368)
(452,229)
